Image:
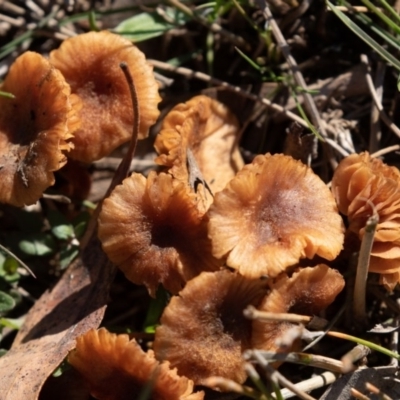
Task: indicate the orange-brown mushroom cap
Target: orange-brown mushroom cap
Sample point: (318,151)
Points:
(363,185)
(307,292)
(203,331)
(274,212)
(152,230)
(35,128)
(209,130)
(118,369)
(90,63)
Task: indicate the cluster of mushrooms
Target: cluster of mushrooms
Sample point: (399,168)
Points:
(217,238)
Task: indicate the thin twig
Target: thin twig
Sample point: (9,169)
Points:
(310,105)
(373,389)
(363,265)
(312,360)
(386,150)
(376,132)
(358,395)
(274,375)
(11,254)
(316,382)
(252,313)
(189,73)
(378,104)
(355,354)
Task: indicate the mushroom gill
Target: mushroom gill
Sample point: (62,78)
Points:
(203,331)
(90,63)
(35,128)
(152,230)
(307,292)
(274,212)
(363,185)
(201,131)
(116,368)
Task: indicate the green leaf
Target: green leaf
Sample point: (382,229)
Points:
(63,232)
(7,303)
(146,25)
(365,37)
(60,226)
(156,308)
(38,245)
(10,266)
(67,255)
(2,352)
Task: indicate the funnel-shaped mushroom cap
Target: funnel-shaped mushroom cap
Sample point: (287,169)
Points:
(363,185)
(90,63)
(203,331)
(274,212)
(209,130)
(35,127)
(151,229)
(118,369)
(307,292)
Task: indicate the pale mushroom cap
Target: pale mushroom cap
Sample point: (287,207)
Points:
(90,63)
(35,128)
(210,131)
(307,292)
(203,331)
(118,369)
(151,229)
(274,212)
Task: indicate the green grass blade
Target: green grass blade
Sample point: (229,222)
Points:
(365,37)
(378,30)
(381,15)
(390,10)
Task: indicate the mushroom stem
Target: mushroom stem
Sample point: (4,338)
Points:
(363,266)
(126,162)
(123,169)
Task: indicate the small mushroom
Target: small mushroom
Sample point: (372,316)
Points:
(198,141)
(274,212)
(307,292)
(90,63)
(363,185)
(35,128)
(118,369)
(203,331)
(152,230)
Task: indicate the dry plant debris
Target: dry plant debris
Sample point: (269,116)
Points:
(203,234)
